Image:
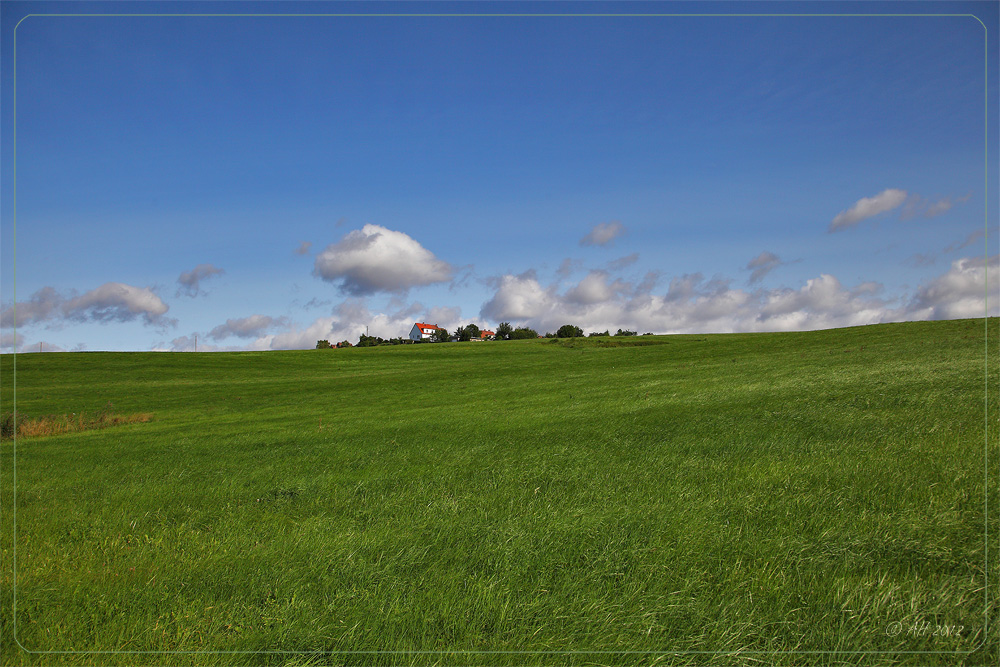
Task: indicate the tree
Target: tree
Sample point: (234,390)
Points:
(504,331)
(523,332)
(599,333)
(323,345)
(569,331)
(440,335)
(467,333)
(625,333)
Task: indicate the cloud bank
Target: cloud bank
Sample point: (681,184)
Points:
(693,304)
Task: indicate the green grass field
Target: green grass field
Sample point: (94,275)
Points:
(793,498)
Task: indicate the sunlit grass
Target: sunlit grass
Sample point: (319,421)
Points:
(784,498)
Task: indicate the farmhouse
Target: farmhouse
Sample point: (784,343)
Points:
(421,331)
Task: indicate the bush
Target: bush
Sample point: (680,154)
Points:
(625,333)
(523,333)
(371,341)
(599,333)
(569,331)
(323,345)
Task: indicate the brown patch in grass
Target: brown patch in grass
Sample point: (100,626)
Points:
(33,427)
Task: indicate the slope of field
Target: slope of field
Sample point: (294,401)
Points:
(796,498)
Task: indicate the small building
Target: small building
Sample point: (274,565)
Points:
(487,335)
(421,331)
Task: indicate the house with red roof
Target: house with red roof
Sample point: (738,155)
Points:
(421,331)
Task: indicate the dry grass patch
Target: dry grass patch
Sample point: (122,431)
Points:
(23,426)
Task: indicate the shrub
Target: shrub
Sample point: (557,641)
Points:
(370,341)
(625,333)
(523,333)
(569,331)
(323,345)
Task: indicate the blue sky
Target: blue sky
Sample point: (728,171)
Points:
(262,182)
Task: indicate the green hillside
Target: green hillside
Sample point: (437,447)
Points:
(792,498)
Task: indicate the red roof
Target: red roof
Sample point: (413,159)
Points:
(426,326)
(487,333)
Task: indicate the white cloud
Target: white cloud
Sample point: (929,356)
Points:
(350,319)
(961,293)
(43,305)
(820,304)
(868,207)
(118,302)
(246,327)
(517,298)
(109,302)
(595,288)
(603,233)
(648,283)
(375,259)
(190,281)
(441,316)
(938,208)
(692,304)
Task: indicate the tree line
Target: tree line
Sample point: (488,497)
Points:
(466,333)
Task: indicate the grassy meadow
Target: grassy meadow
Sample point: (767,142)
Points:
(793,499)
